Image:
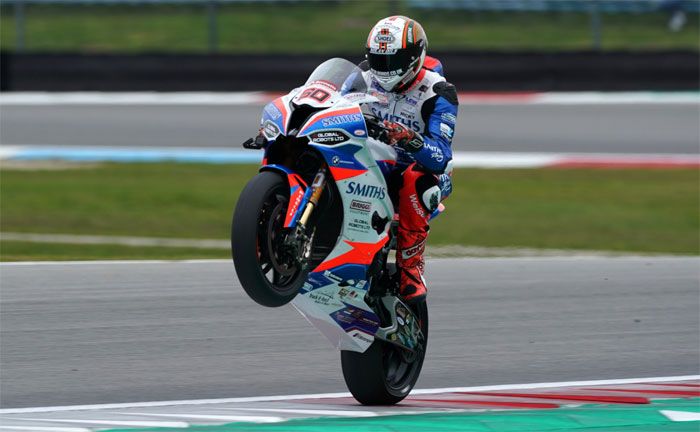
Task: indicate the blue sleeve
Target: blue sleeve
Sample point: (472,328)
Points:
(437,137)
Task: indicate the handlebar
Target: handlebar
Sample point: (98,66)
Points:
(375,128)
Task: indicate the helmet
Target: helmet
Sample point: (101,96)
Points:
(396,51)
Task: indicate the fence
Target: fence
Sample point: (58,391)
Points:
(595,9)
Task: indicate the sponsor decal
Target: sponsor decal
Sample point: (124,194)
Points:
(363,206)
(435,152)
(323,83)
(408,115)
(449,118)
(413,124)
(364,190)
(329,137)
(359,132)
(387,73)
(384,37)
(362,337)
(416,206)
(446,131)
(411,101)
(322,298)
(270,130)
(335,160)
(345,282)
(341,119)
(413,250)
(359,225)
(272,111)
(298,195)
(344,292)
(380,50)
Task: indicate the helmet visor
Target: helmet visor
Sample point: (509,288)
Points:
(392,64)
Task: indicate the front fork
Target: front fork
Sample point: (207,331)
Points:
(300,239)
(314,196)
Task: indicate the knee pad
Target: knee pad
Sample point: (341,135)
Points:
(429,192)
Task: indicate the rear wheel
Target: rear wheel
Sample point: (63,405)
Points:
(385,374)
(269,271)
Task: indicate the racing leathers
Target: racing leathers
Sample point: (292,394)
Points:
(420,179)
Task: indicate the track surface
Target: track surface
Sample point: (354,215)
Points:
(627,128)
(99,333)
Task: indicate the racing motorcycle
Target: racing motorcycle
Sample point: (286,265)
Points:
(316,225)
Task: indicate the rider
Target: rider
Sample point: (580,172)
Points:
(419,108)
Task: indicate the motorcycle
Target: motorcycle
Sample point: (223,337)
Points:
(316,225)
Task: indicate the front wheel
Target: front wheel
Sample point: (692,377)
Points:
(269,271)
(385,374)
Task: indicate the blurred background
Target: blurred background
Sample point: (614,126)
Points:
(224,44)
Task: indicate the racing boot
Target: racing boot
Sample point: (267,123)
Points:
(418,197)
(409,260)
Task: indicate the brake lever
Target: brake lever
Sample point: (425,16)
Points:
(255,143)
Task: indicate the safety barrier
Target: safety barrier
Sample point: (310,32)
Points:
(469,71)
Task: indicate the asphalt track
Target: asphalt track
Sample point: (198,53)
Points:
(127,332)
(590,128)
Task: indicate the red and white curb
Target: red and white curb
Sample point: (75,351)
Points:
(267,409)
(262,97)
(28,153)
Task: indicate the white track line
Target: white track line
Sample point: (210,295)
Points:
(345,395)
(227,418)
(116,240)
(130,423)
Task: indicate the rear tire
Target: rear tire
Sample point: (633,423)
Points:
(270,278)
(382,375)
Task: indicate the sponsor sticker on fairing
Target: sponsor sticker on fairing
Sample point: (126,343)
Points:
(362,206)
(341,119)
(329,137)
(270,130)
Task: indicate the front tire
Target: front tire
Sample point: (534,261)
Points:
(269,275)
(384,375)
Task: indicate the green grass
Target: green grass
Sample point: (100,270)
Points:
(615,210)
(26,251)
(323,27)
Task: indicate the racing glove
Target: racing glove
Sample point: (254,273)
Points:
(399,135)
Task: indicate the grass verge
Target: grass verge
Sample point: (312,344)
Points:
(333,27)
(617,210)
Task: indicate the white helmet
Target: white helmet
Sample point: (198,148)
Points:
(396,51)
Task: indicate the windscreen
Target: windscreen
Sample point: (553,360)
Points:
(342,75)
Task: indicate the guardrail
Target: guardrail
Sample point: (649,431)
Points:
(469,71)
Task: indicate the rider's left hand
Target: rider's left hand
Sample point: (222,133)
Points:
(400,135)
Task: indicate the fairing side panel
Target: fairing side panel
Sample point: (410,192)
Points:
(332,299)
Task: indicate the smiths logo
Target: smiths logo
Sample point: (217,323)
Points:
(366,191)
